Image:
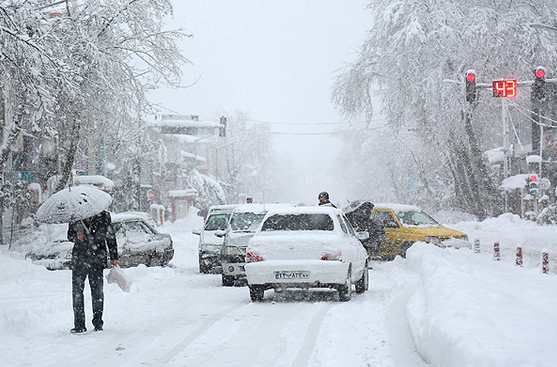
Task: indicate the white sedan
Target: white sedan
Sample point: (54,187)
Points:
(306,247)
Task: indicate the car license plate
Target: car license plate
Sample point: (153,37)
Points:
(292,274)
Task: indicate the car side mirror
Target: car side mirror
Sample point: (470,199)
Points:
(196,231)
(220,233)
(363,235)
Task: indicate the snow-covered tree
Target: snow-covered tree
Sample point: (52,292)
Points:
(411,49)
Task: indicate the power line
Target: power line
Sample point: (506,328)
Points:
(327,133)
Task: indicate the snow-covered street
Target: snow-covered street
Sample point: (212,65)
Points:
(439,307)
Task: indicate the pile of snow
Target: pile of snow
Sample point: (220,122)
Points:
(469,310)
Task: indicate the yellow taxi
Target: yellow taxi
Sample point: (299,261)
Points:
(406,224)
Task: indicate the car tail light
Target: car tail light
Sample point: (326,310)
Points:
(253,256)
(332,255)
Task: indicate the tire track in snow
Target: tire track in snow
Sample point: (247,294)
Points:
(310,338)
(404,351)
(195,334)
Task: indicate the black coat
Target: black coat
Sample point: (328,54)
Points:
(98,236)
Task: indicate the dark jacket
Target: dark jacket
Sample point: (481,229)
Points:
(361,219)
(98,236)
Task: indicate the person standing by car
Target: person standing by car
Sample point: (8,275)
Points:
(364,222)
(91,237)
(323,198)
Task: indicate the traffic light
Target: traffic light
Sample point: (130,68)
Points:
(533,185)
(471,93)
(538,93)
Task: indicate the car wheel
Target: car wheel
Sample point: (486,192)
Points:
(227,281)
(345,290)
(363,284)
(256,293)
(405,246)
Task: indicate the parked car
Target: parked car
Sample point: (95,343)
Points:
(306,247)
(138,243)
(209,246)
(242,225)
(406,224)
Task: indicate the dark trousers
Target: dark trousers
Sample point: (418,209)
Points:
(95,274)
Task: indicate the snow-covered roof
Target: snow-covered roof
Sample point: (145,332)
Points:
(96,180)
(533,159)
(185,154)
(495,155)
(514,182)
(182,193)
(179,121)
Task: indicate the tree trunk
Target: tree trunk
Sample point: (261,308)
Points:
(70,157)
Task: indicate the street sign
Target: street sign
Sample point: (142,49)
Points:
(19,176)
(504,88)
(150,195)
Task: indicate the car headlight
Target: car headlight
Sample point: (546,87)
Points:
(432,239)
(232,251)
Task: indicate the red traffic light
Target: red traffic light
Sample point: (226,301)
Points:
(533,178)
(540,73)
(470,77)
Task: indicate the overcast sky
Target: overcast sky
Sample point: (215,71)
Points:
(274,60)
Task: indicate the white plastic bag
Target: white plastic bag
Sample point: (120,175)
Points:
(117,275)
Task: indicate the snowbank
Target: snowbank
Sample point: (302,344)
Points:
(469,310)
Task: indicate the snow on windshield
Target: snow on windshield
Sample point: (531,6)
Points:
(217,222)
(299,222)
(415,219)
(246,221)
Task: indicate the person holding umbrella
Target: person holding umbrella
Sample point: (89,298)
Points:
(90,229)
(91,237)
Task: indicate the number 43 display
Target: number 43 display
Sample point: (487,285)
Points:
(504,88)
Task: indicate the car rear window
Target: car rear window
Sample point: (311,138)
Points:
(217,222)
(299,222)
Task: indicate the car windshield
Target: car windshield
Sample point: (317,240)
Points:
(299,222)
(217,222)
(415,218)
(246,221)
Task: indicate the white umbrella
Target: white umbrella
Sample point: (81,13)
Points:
(73,203)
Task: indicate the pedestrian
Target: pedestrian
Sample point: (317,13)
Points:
(363,221)
(323,198)
(91,238)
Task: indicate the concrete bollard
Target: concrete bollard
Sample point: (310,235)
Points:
(496,252)
(545,261)
(519,261)
(476,246)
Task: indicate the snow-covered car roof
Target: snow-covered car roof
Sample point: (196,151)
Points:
(397,207)
(259,208)
(119,217)
(305,209)
(222,208)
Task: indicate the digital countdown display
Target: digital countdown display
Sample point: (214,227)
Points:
(504,88)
